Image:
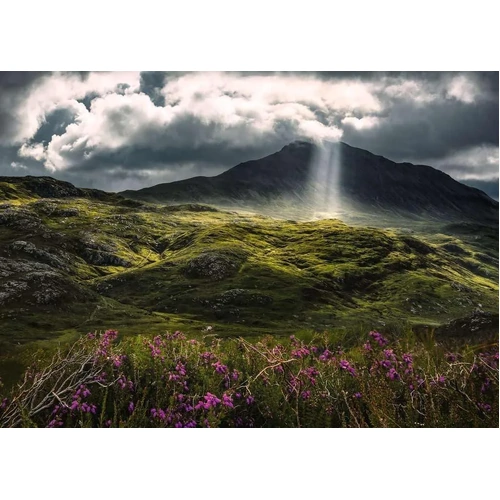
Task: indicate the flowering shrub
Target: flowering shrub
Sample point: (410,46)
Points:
(171,381)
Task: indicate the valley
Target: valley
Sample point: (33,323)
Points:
(72,265)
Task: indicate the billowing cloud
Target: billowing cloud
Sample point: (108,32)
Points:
(135,129)
(474,163)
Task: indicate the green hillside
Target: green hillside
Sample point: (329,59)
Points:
(70,265)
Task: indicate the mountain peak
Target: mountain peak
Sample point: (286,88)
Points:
(354,182)
(298,144)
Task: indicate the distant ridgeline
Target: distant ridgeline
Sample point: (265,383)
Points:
(304,181)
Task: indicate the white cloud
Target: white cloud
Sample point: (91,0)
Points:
(476,163)
(50,91)
(363,123)
(207,109)
(18,166)
(34,151)
(463,89)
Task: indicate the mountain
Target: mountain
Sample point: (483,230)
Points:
(335,178)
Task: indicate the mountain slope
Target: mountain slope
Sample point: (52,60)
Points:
(74,264)
(308,179)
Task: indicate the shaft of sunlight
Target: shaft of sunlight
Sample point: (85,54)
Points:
(325,187)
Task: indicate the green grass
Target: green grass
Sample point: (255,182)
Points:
(289,275)
(336,379)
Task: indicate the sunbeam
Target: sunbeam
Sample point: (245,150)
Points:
(324,184)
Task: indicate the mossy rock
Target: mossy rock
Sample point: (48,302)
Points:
(215,265)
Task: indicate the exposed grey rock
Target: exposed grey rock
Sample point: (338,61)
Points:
(99,258)
(90,241)
(20,218)
(36,283)
(66,212)
(215,265)
(59,261)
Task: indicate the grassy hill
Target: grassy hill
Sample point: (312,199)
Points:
(70,265)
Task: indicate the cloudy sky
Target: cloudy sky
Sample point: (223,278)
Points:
(118,131)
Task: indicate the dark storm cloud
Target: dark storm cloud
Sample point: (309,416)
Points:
(414,132)
(152,138)
(87,100)
(151,84)
(55,123)
(14,88)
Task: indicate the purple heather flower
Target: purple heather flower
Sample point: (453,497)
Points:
(393,374)
(325,356)
(181,369)
(486,385)
(389,354)
(367,346)
(220,368)
(485,407)
(108,423)
(250,400)
(55,423)
(227,400)
(211,401)
(344,365)
(208,356)
(301,352)
(155,351)
(357,395)
(131,407)
(386,364)
(378,338)
(306,394)
(101,377)
(277,350)
(408,359)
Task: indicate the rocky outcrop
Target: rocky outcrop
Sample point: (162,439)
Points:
(20,218)
(58,259)
(101,258)
(215,265)
(33,283)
